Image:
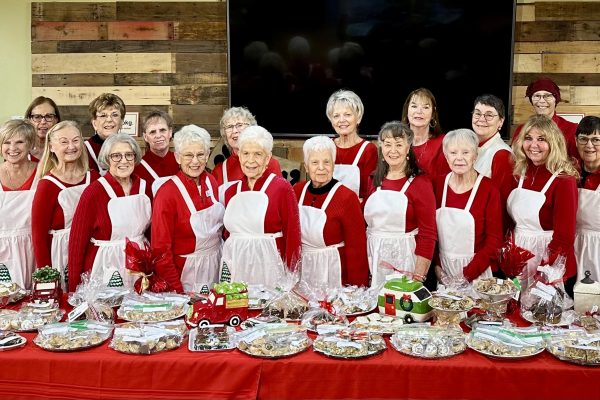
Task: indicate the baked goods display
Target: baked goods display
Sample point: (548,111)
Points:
(495,287)
(349,344)
(286,305)
(260,320)
(211,338)
(273,341)
(110,296)
(425,341)
(30,317)
(377,323)
(319,317)
(575,346)
(259,296)
(507,342)
(147,338)
(450,307)
(353,300)
(153,307)
(10,340)
(72,336)
(10,292)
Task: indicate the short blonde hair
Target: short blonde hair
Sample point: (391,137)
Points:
(16,127)
(346,98)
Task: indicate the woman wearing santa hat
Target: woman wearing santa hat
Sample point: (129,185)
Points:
(544,96)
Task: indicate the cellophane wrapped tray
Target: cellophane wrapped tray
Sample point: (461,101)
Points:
(216,337)
(575,345)
(507,342)
(30,317)
(430,342)
(153,307)
(349,344)
(148,338)
(73,336)
(273,340)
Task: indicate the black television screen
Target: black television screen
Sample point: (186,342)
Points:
(287,57)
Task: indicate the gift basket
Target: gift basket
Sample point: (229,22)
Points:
(505,342)
(153,307)
(545,300)
(148,338)
(321,312)
(31,316)
(143,263)
(349,344)
(73,336)
(273,341)
(430,342)
(576,346)
(287,304)
(211,338)
(92,300)
(11,340)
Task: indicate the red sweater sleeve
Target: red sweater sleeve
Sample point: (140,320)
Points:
(291,242)
(367,164)
(44,211)
(217,173)
(423,205)
(564,199)
(502,178)
(355,260)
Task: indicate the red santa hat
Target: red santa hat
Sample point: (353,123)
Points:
(546,84)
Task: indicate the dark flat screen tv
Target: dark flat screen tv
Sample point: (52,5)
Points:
(286,57)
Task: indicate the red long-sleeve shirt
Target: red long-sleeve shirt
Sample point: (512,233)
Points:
(281,215)
(430,157)
(487,213)
(558,213)
(366,164)
(568,130)
(46,215)
(91,220)
(163,166)
(420,211)
(590,181)
(96,142)
(345,223)
(234,169)
(171,229)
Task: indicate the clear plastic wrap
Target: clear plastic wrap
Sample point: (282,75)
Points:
(153,307)
(450,307)
(10,340)
(273,340)
(73,336)
(507,342)
(211,338)
(321,312)
(349,344)
(93,300)
(425,341)
(142,338)
(10,292)
(575,346)
(353,300)
(377,323)
(288,303)
(30,317)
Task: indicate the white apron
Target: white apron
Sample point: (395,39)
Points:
(17,261)
(349,174)
(226,183)
(321,264)
(94,157)
(524,207)
(387,239)
(158,180)
(202,266)
(587,240)
(456,234)
(249,254)
(486,154)
(130,217)
(68,198)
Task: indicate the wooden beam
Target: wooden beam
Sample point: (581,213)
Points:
(567,11)
(70,63)
(56,80)
(140,30)
(200,30)
(200,94)
(129,46)
(171,11)
(527,63)
(555,31)
(78,96)
(571,63)
(170,79)
(200,62)
(563,47)
(521,79)
(81,11)
(41,31)
(525,12)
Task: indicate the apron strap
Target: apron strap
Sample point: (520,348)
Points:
(547,185)
(88,177)
(360,152)
(209,186)
(55,181)
(303,193)
(149,169)
(225,171)
(142,186)
(93,155)
(184,193)
(109,190)
(267,182)
(406,184)
(473,192)
(521,180)
(446,181)
(330,195)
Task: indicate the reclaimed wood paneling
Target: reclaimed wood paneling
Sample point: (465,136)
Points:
(560,79)
(200,62)
(199,94)
(554,31)
(527,63)
(563,47)
(140,30)
(526,12)
(194,114)
(198,30)
(79,96)
(573,63)
(41,31)
(51,80)
(101,63)
(170,79)
(130,46)
(567,11)
(161,11)
(83,11)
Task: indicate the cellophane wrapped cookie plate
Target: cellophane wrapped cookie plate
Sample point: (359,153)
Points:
(10,292)
(148,338)
(507,342)
(349,344)
(353,300)
(431,342)
(377,323)
(72,336)
(30,317)
(319,317)
(259,296)
(211,338)
(11,340)
(273,340)
(286,305)
(153,307)
(450,307)
(576,346)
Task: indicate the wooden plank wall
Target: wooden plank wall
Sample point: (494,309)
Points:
(166,55)
(560,40)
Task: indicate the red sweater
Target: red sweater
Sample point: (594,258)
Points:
(91,220)
(96,142)
(281,215)
(420,212)
(345,223)
(567,128)
(171,229)
(558,213)
(430,157)
(487,212)
(234,169)
(590,181)
(163,166)
(367,163)
(46,215)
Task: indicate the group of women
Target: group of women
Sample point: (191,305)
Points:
(431,205)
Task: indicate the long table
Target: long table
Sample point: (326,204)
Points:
(103,373)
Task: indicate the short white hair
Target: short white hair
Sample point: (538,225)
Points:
(461,136)
(110,142)
(191,134)
(318,143)
(256,134)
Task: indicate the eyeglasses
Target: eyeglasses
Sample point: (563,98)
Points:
(189,156)
(40,117)
(114,116)
(116,157)
(238,126)
(583,140)
(538,97)
(488,116)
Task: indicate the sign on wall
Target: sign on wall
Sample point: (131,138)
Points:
(130,123)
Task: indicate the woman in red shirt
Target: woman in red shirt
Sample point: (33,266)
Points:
(421,114)
(64,175)
(543,203)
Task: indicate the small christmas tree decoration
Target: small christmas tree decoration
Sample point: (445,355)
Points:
(225,273)
(115,280)
(205,290)
(4,274)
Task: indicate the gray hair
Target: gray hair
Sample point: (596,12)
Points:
(347,98)
(318,143)
(235,113)
(463,135)
(110,142)
(191,134)
(256,134)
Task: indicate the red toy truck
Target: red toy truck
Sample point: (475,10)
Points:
(226,303)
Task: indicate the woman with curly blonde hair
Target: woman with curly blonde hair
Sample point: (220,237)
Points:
(543,203)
